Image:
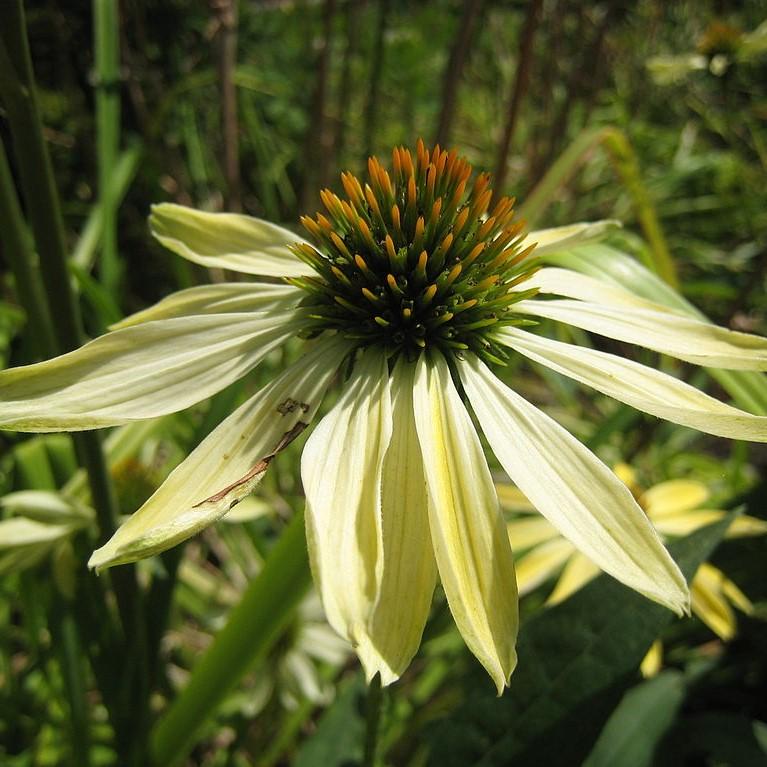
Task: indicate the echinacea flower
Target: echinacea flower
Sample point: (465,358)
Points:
(676,508)
(412,287)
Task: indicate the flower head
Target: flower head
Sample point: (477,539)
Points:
(412,289)
(416,263)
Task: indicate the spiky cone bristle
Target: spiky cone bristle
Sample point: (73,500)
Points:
(415,259)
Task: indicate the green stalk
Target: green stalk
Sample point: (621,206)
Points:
(107,55)
(372,721)
(625,164)
(252,629)
(124,171)
(67,641)
(17,91)
(18,250)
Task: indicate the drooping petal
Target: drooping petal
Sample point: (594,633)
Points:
(139,372)
(573,489)
(572,284)
(229,462)
(652,663)
(673,497)
(513,499)
(542,563)
(227,241)
(19,532)
(341,468)
(577,573)
(687,522)
(563,237)
(470,540)
(526,532)
(409,570)
(709,603)
(26,542)
(640,386)
(218,299)
(664,331)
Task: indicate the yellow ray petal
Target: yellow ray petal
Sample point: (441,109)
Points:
(409,569)
(674,497)
(470,540)
(341,469)
(542,563)
(229,462)
(573,489)
(577,573)
(709,603)
(227,241)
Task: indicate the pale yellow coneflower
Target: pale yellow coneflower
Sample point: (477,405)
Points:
(413,287)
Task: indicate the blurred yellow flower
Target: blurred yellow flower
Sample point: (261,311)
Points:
(675,508)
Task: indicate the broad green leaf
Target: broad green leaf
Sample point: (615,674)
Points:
(639,722)
(576,659)
(338,740)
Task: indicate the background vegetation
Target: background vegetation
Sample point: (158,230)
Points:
(650,112)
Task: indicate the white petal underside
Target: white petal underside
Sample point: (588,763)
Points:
(640,386)
(341,468)
(139,372)
(227,241)
(573,489)
(219,298)
(662,330)
(471,544)
(226,466)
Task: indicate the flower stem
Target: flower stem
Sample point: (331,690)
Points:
(18,250)
(372,721)
(38,186)
(253,627)
(107,86)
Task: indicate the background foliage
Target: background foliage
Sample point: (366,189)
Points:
(650,112)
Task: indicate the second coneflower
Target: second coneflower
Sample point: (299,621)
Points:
(412,288)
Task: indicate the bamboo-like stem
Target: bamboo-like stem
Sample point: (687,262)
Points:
(107,85)
(518,90)
(17,91)
(318,139)
(17,248)
(343,95)
(226,11)
(459,52)
(124,171)
(35,173)
(253,627)
(67,641)
(376,75)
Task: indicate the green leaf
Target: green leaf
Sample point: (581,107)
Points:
(338,739)
(575,662)
(639,722)
(715,738)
